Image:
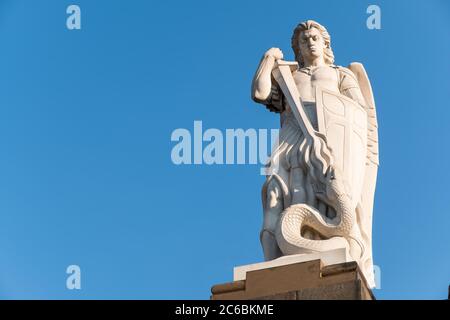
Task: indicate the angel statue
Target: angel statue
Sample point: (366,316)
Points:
(320,185)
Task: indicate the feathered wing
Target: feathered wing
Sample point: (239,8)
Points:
(372,124)
(372,162)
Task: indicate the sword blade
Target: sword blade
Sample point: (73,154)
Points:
(283,75)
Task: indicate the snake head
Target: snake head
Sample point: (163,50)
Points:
(335,184)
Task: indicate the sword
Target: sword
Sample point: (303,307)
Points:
(283,76)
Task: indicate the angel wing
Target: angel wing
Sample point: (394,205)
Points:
(372,162)
(366,90)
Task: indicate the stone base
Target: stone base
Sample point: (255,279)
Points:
(327,257)
(309,280)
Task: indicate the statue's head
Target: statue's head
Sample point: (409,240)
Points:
(311,40)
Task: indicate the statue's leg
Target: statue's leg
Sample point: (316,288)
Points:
(302,192)
(310,194)
(272,211)
(297,184)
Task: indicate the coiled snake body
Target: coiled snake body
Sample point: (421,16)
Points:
(336,231)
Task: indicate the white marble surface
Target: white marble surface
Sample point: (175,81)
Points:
(321,177)
(328,258)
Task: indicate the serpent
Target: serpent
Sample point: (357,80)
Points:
(298,216)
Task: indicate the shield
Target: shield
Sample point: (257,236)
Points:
(344,123)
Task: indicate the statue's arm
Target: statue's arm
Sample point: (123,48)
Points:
(356,95)
(262,81)
(349,86)
(264,88)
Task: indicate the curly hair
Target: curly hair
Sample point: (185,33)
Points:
(307,25)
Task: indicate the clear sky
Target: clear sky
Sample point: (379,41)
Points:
(86,118)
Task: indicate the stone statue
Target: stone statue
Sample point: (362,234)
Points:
(321,177)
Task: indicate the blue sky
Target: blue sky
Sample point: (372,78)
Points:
(86,117)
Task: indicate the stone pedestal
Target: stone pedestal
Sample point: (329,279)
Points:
(307,280)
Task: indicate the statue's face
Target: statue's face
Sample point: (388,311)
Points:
(311,44)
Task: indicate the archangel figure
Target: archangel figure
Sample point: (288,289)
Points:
(320,185)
